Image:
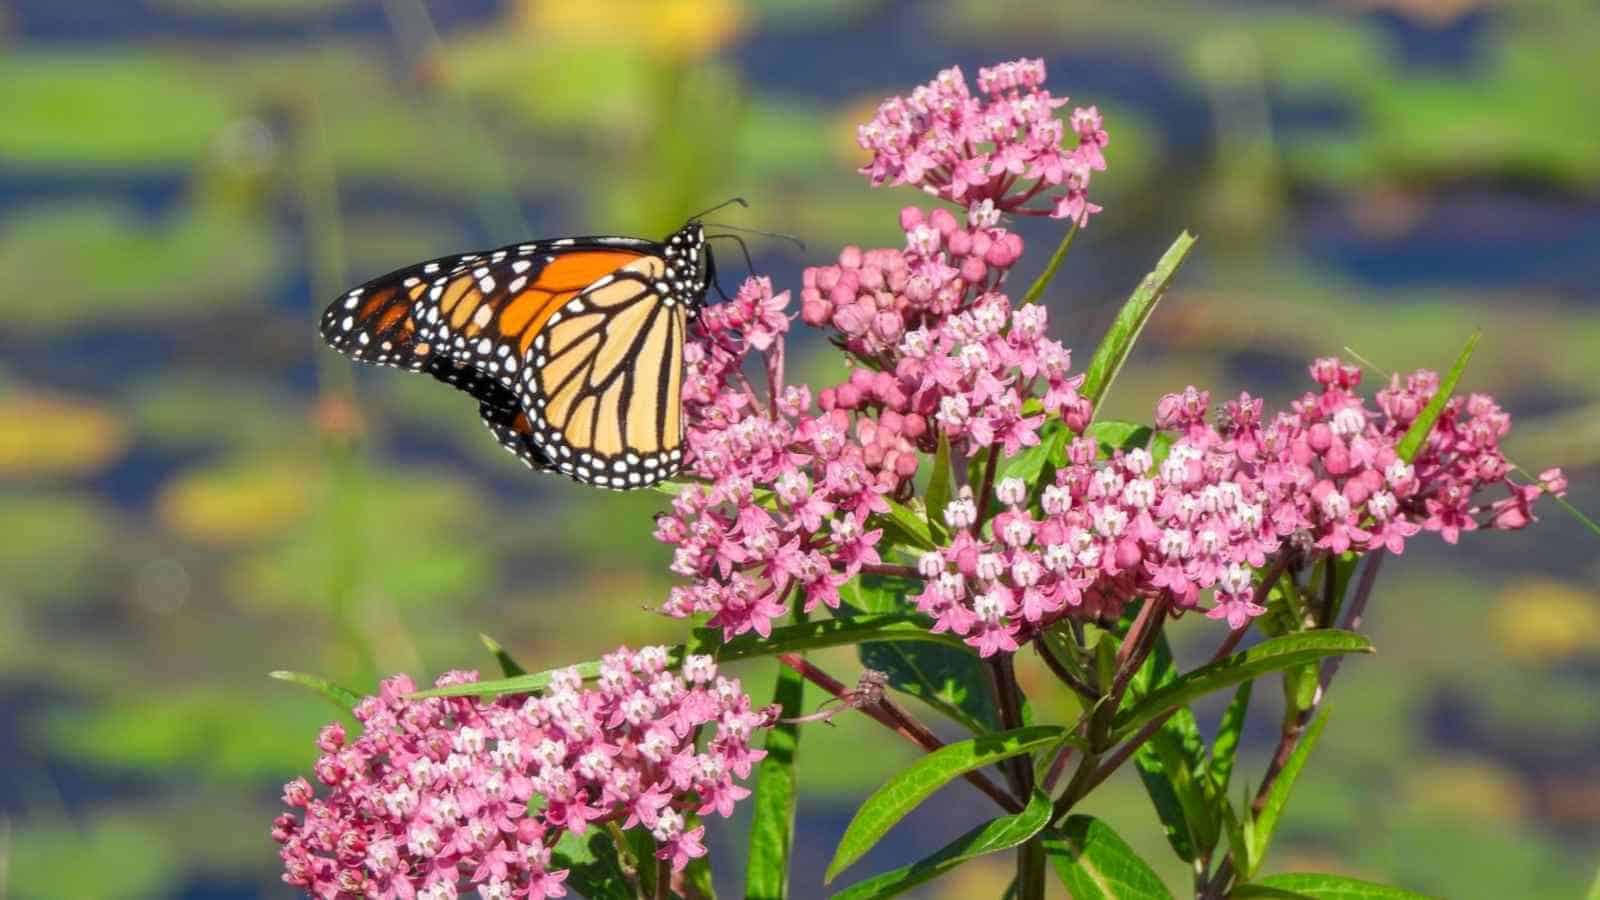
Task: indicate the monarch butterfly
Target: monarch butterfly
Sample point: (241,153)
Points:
(573,347)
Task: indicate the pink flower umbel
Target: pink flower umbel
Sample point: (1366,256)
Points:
(1001,150)
(442,795)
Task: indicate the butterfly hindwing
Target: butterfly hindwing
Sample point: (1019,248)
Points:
(603,387)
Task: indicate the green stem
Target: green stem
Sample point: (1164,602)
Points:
(1030,869)
(1036,290)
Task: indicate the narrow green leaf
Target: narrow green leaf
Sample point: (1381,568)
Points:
(1095,863)
(1594,889)
(876,595)
(1417,434)
(1036,290)
(1226,747)
(1236,829)
(903,526)
(1266,893)
(1278,796)
(1066,651)
(1027,464)
(948,680)
(642,849)
(1166,766)
(1111,435)
(992,836)
(788,638)
(902,793)
(594,867)
(1325,887)
(1300,686)
(1171,765)
(342,697)
(938,494)
(1118,342)
(1268,656)
(772,826)
(508,666)
(1105,659)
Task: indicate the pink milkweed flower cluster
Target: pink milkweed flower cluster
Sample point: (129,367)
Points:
(1325,477)
(994,152)
(828,472)
(441,795)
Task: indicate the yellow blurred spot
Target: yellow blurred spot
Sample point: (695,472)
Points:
(236,503)
(46,434)
(986,876)
(1466,791)
(685,29)
(1541,620)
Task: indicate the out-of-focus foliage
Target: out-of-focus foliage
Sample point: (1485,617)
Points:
(196,492)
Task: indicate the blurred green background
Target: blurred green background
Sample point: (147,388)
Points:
(195,492)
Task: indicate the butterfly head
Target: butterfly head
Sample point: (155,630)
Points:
(689,264)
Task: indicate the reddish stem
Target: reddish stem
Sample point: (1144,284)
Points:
(890,716)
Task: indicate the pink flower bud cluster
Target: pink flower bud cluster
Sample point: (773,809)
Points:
(1325,477)
(439,796)
(998,151)
(874,297)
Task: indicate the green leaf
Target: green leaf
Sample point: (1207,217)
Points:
(1111,435)
(788,638)
(1417,434)
(903,526)
(1171,764)
(938,494)
(1226,747)
(1323,887)
(902,793)
(1278,796)
(595,869)
(876,595)
(1036,290)
(1067,652)
(1118,342)
(1238,830)
(992,836)
(508,666)
(951,680)
(342,697)
(1027,464)
(1173,773)
(1095,863)
(1268,656)
(642,851)
(772,826)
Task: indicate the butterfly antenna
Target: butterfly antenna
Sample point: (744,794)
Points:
(771,234)
(749,264)
(729,202)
